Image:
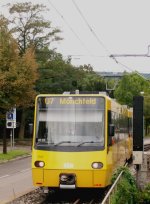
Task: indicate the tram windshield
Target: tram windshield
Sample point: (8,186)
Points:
(74,122)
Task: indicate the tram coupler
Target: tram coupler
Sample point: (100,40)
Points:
(45,190)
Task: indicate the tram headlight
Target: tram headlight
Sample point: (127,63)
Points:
(39,164)
(97,165)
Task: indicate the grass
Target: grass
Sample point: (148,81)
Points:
(13,154)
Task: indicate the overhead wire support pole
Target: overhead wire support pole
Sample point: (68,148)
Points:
(114,56)
(129,55)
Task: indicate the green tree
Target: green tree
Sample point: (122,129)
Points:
(56,74)
(17,73)
(130,85)
(31,30)
(30,27)
(133,85)
(147,110)
(90,81)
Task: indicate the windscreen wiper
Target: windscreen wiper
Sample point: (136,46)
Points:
(84,143)
(44,143)
(62,142)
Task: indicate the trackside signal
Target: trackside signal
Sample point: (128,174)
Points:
(138,129)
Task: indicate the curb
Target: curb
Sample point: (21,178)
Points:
(17,158)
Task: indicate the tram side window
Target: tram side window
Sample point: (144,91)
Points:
(120,122)
(115,121)
(110,122)
(130,125)
(123,123)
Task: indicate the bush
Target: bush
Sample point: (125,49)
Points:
(126,188)
(144,196)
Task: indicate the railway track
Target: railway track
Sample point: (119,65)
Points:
(88,196)
(146,147)
(78,201)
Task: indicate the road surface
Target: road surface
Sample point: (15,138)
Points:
(15,179)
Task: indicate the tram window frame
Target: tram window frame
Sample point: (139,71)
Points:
(111,128)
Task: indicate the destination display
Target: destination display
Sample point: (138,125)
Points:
(64,101)
(71,101)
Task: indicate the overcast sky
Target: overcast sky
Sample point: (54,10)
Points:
(106,27)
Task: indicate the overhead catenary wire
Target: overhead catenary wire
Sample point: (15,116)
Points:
(95,35)
(81,55)
(90,28)
(93,32)
(100,42)
(134,71)
(68,25)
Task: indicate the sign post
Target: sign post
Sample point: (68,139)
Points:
(11,144)
(11,124)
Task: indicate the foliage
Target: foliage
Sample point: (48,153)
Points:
(144,196)
(147,110)
(90,81)
(130,85)
(111,83)
(31,32)
(58,75)
(29,26)
(126,189)
(147,105)
(133,85)
(17,73)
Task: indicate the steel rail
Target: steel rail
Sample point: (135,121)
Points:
(146,147)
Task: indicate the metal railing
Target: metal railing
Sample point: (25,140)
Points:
(112,190)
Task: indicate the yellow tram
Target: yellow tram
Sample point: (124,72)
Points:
(79,140)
